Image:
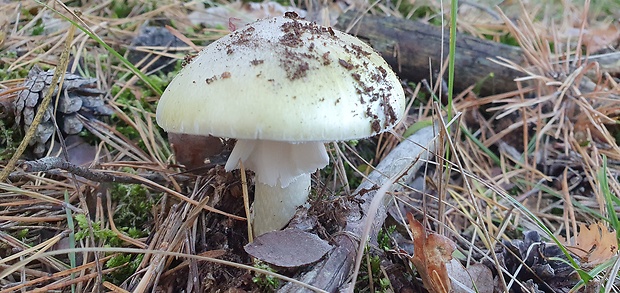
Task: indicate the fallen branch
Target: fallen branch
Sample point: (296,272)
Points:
(48,164)
(332,273)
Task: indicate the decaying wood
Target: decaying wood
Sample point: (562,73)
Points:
(332,273)
(411,48)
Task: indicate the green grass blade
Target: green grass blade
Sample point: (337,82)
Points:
(95,37)
(609,198)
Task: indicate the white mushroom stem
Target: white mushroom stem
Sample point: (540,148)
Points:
(282,174)
(275,206)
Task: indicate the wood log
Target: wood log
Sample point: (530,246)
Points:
(411,48)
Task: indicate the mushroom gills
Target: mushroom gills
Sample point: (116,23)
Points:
(282,177)
(278,161)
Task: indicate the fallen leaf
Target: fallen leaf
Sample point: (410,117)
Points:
(597,38)
(594,244)
(464,279)
(288,248)
(431,253)
(80,152)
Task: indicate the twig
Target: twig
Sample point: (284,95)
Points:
(50,163)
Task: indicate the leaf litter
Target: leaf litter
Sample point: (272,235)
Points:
(594,245)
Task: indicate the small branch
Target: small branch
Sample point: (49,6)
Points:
(48,164)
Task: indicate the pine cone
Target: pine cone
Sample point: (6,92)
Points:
(540,273)
(79,96)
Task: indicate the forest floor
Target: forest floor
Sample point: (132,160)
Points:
(520,192)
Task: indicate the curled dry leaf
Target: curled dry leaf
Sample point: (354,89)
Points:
(431,253)
(594,244)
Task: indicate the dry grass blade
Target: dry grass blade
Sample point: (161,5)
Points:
(551,135)
(44,278)
(38,196)
(176,194)
(33,252)
(181,255)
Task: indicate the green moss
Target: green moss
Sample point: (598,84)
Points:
(6,58)
(9,141)
(383,237)
(133,208)
(22,234)
(125,264)
(380,282)
(106,236)
(121,8)
(39,28)
(267,283)
(131,215)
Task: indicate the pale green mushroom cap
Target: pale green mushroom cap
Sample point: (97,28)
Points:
(284,79)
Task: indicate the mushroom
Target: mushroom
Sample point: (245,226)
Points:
(283,87)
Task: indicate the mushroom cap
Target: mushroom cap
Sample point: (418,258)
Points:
(284,79)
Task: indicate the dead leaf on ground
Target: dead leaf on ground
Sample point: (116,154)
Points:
(288,248)
(594,244)
(477,275)
(431,253)
(599,37)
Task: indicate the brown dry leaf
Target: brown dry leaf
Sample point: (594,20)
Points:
(431,253)
(599,37)
(594,244)
(465,279)
(288,248)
